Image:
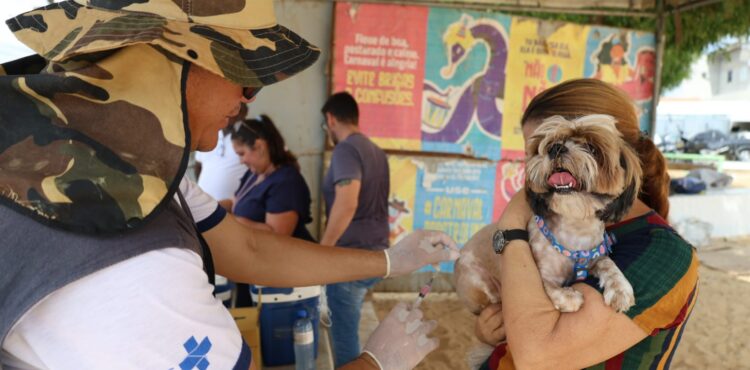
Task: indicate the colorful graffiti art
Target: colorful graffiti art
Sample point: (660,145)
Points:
(397,209)
(542,54)
(462,99)
(508,181)
(450,81)
(401,199)
(626,59)
(382,65)
(453,196)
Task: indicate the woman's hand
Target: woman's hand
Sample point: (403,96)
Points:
(517,213)
(489,326)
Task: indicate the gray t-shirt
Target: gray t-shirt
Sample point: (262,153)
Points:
(358,158)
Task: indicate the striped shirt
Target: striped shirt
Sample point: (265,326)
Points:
(663,270)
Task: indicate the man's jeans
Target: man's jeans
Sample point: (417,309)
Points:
(345,302)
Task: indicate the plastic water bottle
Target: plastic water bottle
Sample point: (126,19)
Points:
(304,356)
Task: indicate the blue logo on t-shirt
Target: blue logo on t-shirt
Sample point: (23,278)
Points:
(196,357)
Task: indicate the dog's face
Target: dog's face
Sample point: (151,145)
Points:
(581,168)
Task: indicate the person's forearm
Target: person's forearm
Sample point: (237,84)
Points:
(321,265)
(338,220)
(528,314)
(255,225)
(259,257)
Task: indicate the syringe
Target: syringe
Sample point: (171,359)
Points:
(429,248)
(425,288)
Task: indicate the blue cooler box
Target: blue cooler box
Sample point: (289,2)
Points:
(278,312)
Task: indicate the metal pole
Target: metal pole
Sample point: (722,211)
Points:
(481,6)
(695,4)
(660,41)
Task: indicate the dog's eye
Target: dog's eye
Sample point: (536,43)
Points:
(590,148)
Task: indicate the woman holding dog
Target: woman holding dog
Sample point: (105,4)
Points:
(662,268)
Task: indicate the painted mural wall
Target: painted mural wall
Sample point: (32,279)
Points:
(455,83)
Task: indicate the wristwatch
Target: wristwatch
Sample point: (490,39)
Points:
(501,238)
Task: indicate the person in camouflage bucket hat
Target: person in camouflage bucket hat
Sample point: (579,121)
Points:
(95,133)
(43,173)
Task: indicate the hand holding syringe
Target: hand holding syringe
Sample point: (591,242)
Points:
(401,341)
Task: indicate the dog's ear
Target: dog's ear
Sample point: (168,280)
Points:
(619,207)
(537,202)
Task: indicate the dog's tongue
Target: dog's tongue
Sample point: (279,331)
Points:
(562,179)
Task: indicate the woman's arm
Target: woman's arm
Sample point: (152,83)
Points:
(281,223)
(539,336)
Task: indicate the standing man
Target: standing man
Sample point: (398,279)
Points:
(356,191)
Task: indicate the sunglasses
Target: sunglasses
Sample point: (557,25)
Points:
(250,92)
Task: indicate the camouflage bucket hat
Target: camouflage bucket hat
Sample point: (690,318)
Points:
(93,146)
(237,39)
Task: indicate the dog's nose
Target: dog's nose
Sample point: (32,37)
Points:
(556,150)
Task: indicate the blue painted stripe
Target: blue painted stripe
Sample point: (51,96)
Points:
(246,357)
(211,221)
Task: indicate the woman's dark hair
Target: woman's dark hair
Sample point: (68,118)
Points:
(263,128)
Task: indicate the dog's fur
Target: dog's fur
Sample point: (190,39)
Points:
(608,175)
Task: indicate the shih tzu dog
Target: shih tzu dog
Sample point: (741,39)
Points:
(580,174)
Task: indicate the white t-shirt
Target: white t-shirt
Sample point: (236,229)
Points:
(221,169)
(205,209)
(153,311)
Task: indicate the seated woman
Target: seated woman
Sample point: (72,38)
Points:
(658,263)
(273,195)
